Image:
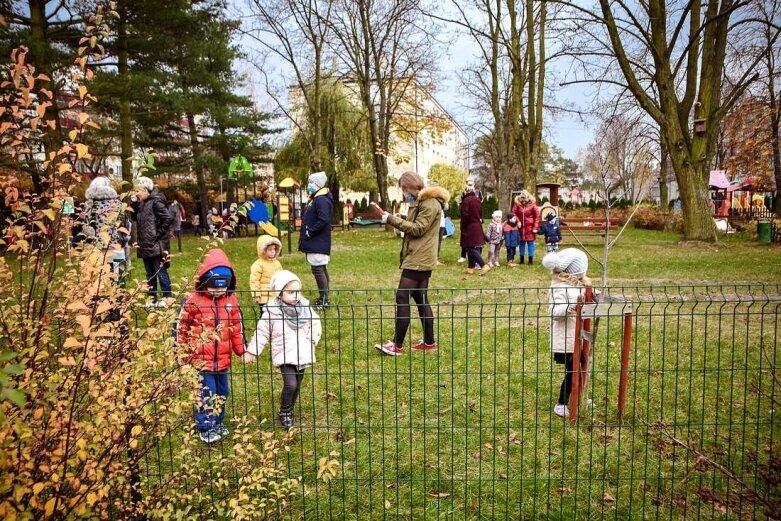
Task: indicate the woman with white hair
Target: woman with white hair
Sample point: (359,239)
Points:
(104,215)
(150,210)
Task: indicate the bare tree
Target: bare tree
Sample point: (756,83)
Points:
(619,164)
(509,82)
(388,51)
(296,32)
(671,57)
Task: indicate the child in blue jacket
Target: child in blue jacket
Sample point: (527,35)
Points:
(512,237)
(551,229)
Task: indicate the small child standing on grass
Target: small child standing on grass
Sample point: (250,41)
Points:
(568,278)
(210,325)
(264,268)
(552,232)
(494,239)
(293,328)
(512,237)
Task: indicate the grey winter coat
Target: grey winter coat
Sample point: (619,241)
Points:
(154,221)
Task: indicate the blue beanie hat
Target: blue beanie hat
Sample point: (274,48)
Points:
(218,277)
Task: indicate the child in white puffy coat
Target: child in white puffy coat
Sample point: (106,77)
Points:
(293,328)
(568,279)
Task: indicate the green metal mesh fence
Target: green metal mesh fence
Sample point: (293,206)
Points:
(468,431)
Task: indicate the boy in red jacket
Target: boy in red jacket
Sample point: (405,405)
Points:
(214,310)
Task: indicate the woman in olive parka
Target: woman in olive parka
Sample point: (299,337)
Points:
(418,259)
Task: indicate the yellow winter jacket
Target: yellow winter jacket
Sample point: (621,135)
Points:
(263,269)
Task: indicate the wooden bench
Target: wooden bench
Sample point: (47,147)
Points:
(589,226)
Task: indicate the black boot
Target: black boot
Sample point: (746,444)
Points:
(286,419)
(531,260)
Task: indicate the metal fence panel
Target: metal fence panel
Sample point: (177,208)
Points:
(468,432)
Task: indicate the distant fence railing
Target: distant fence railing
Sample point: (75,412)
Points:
(468,431)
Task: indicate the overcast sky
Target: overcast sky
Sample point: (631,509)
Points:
(564,131)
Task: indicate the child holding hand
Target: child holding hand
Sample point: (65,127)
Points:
(214,310)
(293,328)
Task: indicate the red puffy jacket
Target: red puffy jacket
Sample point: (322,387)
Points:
(528,219)
(220,318)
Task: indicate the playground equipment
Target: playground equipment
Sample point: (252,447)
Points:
(588,312)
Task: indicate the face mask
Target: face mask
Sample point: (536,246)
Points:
(311,188)
(409,198)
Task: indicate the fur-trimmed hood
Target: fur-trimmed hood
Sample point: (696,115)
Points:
(434,192)
(264,241)
(101,193)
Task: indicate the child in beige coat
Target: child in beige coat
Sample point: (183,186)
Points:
(293,328)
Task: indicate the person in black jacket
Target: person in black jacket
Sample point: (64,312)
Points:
(150,211)
(315,240)
(551,229)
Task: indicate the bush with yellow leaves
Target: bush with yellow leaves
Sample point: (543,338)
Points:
(85,395)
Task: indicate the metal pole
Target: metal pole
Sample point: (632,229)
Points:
(627,343)
(290,217)
(574,397)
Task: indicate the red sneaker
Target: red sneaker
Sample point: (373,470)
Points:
(390,348)
(422,346)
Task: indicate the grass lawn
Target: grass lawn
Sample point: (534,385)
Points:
(467,432)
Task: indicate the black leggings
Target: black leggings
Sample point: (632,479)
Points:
(475,256)
(291,377)
(322,279)
(566,384)
(413,283)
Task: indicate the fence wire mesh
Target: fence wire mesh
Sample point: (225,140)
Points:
(468,431)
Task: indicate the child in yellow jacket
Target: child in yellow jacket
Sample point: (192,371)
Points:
(264,268)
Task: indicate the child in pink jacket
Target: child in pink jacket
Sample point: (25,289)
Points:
(293,328)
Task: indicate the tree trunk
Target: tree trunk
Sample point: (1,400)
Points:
(697,221)
(775,142)
(203,197)
(125,121)
(38,57)
(663,172)
(381,171)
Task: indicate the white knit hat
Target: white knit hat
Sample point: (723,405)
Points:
(497,214)
(282,278)
(145,183)
(569,260)
(319,179)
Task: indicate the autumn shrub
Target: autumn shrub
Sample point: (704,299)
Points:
(89,387)
(650,218)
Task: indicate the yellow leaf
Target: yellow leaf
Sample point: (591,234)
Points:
(83,117)
(82,88)
(37,488)
(49,213)
(49,508)
(77,305)
(82,150)
(67,361)
(84,321)
(136,430)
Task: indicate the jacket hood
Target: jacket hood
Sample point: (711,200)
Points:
(214,258)
(101,193)
(434,192)
(526,199)
(264,241)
